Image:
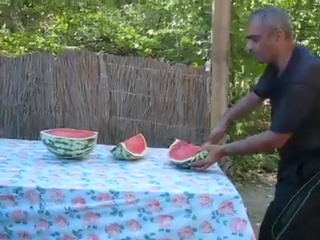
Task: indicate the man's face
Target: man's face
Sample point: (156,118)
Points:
(261,42)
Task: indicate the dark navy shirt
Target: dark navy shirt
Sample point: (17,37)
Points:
(295,104)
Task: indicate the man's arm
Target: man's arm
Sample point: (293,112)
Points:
(293,110)
(244,107)
(252,100)
(260,143)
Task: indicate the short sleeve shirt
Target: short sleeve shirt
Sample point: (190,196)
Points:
(295,103)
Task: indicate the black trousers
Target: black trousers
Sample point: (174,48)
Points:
(294,214)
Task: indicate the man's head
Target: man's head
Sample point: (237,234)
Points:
(269,30)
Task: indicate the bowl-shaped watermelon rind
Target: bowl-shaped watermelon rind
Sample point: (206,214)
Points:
(70,155)
(69,148)
(120,153)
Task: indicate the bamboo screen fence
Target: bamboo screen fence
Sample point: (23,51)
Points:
(114,95)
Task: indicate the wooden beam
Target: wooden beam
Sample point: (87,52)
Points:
(221,16)
(221,20)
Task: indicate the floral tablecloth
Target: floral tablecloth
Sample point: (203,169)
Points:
(42,197)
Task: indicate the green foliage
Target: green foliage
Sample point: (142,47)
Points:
(173,31)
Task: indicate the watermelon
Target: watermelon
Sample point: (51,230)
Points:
(182,153)
(69,143)
(133,148)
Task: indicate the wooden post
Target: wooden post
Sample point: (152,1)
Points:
(221,18)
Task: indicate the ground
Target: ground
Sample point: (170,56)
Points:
(256,197)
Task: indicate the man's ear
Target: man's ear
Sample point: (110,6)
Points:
(279,34)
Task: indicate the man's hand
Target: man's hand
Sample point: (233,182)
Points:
(216,153)
(244,107)
(216,134)
(260,143)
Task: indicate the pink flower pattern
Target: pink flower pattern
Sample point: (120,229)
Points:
(47,199)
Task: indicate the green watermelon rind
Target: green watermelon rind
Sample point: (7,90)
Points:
(200,156)
(69,148)
(120,153)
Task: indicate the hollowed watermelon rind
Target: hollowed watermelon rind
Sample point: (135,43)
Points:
(120,152)
(69,148)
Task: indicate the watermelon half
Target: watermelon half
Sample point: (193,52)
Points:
(133,148)
(182,153)
(69,143)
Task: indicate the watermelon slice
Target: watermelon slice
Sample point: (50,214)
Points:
(69,143)
(133,148)
(182,153)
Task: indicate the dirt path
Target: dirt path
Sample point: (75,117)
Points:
(256,198)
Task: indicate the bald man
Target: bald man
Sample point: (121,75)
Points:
(291,81)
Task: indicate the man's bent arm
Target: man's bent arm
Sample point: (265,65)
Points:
(252,100)
(296,104)
(243,107)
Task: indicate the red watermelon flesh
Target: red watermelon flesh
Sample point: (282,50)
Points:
(135,145)
(182,151)
(70,133)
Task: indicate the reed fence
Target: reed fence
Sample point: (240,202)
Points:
(115,95)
